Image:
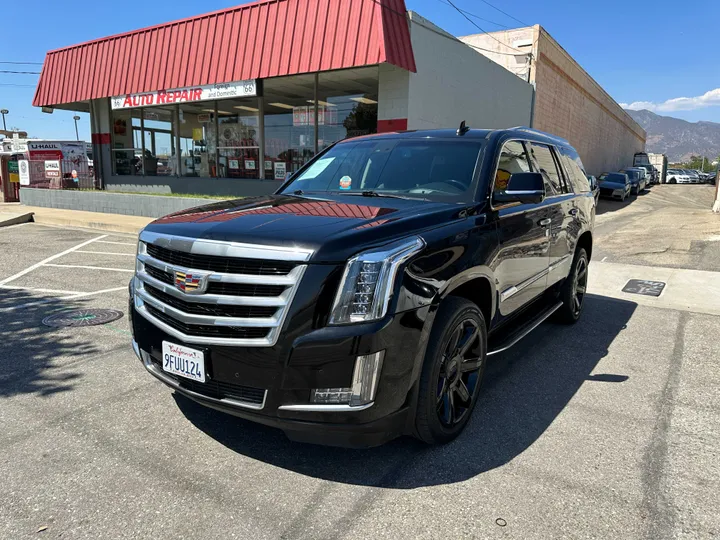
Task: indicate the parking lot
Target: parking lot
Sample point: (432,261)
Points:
(607,429)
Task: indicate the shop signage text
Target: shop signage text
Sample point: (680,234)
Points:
(186,95)
(24,167)
(52,169)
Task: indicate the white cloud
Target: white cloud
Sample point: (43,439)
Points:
(708,99)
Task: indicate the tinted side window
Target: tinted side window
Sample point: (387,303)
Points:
(543,159)
(576,171)
(513,159)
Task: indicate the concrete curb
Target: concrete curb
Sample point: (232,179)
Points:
(15,219)
(82,219)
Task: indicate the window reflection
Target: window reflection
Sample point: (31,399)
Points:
(238,144)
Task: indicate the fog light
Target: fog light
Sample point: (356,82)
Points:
(364,384)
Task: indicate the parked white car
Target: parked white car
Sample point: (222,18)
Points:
(678,176)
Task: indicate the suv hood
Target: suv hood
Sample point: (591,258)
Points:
(334,226)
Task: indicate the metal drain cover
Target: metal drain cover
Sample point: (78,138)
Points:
(643,286)
(82,317)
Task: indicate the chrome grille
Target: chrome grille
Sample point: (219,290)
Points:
(236,294)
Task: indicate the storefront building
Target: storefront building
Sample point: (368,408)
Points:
(232,101)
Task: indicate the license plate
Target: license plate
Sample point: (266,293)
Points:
(183,361)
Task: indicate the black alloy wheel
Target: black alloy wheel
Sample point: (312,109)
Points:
(458,376)
(580,285)
(452,372)
(572,293)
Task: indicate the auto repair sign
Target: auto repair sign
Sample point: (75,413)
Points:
(186,95)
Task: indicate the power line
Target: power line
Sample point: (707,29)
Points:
(18,85)
(504,13)
(478,17)
(21,72)
(460,11)
(24,63)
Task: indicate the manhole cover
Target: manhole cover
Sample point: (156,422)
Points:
(643,286)
(82,317)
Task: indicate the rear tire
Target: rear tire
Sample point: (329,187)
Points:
(572,293)
(452,372)
(672,181)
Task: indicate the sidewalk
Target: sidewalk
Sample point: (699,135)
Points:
(72,218)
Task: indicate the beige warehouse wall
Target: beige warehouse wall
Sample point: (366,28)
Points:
(568,101)
(454,83)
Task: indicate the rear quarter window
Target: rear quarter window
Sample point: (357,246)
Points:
(575,170)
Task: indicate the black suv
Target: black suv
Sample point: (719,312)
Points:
(361,300)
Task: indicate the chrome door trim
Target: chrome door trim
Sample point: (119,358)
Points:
(511,291)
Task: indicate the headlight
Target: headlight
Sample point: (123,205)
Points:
(367,284)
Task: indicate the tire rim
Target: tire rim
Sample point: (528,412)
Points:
(459,374)
(580,285)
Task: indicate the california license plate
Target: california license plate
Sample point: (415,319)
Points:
(183,361)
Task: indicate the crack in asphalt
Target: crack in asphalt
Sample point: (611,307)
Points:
(657,503)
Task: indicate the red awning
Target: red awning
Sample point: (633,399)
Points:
(269,38)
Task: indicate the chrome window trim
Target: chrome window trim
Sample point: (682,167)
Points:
(153,370)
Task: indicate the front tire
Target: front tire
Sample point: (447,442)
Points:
(572,293)
(452,371)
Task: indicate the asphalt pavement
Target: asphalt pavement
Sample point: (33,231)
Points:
(608,429)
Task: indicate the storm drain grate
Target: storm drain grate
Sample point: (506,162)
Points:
(82,317)
(645,287)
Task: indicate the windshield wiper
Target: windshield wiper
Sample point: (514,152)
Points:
(371,193)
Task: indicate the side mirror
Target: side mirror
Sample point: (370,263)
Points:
(525,188)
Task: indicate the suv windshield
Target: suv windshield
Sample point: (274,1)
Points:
(435,169)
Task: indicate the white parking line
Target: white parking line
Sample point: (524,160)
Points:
(70,297)
(89,267)
(116,243)
(34,289)
(44,262)
(106,253)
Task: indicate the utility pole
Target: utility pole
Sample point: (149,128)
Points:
(76,118)
(4,112)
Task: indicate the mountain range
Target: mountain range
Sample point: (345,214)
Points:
(676,138)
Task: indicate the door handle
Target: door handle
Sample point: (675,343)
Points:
(544,222)
(574,212)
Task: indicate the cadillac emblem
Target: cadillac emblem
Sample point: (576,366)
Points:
(194,283)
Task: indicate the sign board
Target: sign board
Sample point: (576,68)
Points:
(268,165)
(57,150)
(234,163)
(14,171)
(18,147)
(280,170)
(186,95)
(250,164)
(52,169)
(24,167)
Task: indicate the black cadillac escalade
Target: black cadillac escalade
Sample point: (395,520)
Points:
(361,301)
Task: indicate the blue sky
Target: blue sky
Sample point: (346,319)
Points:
(646,53)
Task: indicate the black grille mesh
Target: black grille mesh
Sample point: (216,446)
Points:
(201,330)
(216,310)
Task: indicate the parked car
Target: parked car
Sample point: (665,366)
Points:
(637,179)
(693,175)
(361,300)
(650,174)
(594,187)
(712,177)
(614,185)
(677,176)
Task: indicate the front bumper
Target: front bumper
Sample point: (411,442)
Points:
(287,373)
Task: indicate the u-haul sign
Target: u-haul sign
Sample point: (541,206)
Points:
(186,95)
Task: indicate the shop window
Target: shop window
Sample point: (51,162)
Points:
(196,131)
(127,142)
(238,138)
(159,136)
(347,104)
(289,124)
